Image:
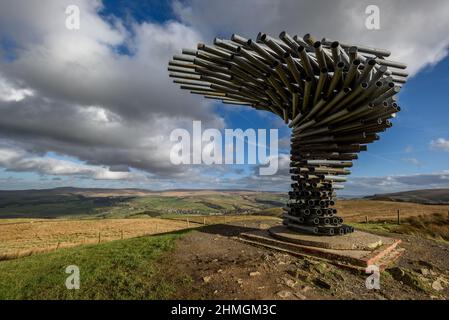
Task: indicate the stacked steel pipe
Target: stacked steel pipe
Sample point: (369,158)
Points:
(336,97)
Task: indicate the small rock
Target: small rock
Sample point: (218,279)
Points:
(284,294)
(216,291)
(305,288)
(206,279)
(215,260)
(260,288)
(322,284)
(436,285)
(219,271)
(424,271)
(290,283)
(239,281)
(320,267)
(254,274)
(300,296)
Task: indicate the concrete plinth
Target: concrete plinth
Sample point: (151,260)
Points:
(355,250)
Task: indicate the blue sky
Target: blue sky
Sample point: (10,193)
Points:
(93,116)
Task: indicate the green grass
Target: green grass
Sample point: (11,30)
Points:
(125,269)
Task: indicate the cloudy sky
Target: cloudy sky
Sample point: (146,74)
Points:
(94,107)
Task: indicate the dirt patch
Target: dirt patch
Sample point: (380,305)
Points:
(209,263)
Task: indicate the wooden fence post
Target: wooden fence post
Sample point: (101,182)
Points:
(121,234)
(366,219)
(399,218)
(99,236)
(204,220)
(188,224)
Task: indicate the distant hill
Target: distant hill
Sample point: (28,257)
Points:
(96,202)
(426,196)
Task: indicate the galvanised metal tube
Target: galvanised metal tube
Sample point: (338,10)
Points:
(183,64)
(223,88)
(364,49)
(225,45)
(215,51)
(192,82)
(304,126)
(393,64)
(387,94)
(284,78)
(350,76)
(367,71)
(203,92)
(348,98)
(337,78)
(278,46)
(305,61)
(239,39)
(245,65)
(184,58)
(313,230)
(320,55)
(316,108)
(185,76)
(181,70)
(307,94)
(353,53)
(334,178)
(301,42)
(284,36)
(279,89)
(341,95)
(209,65)
(294,70)
(355,114)
(378,74)
(190,52)
(204,71)
(309,39)
(256,62)
(311,132)
(220,82)
(196,88)
(320,86)
(295,105)
(262,51)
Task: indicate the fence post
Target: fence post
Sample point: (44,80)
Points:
(188,224)
(204,220)
(366,219)
(99,236)
(121,234)
(399,218)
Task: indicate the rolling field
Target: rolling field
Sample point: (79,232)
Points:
(357,209)
(27,237)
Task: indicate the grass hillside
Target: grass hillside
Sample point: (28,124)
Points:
(124,269)
(427,196)
(107,203)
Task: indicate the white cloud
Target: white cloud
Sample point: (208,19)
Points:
(405,28)
(440,144)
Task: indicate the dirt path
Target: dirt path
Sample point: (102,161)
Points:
(210,264)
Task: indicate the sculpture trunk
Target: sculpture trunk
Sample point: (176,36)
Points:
(311,200)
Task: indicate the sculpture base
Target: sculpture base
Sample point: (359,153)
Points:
(356,250)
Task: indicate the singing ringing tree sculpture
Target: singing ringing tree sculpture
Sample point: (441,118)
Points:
(336,97)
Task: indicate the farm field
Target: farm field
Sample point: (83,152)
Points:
(27,237)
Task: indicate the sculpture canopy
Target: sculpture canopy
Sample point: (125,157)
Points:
(337,97)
